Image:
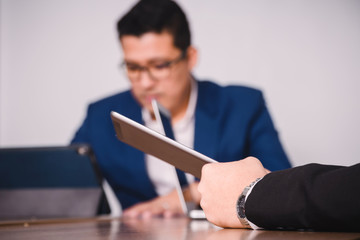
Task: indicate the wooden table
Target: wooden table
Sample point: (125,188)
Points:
(160,229)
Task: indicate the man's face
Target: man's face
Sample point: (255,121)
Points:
(154,52)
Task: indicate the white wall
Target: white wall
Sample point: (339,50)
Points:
(57,56)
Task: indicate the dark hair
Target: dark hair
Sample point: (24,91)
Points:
(156,16)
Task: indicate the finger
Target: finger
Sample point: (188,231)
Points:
(172,214)
(136,210)
(153,209)
(148,214)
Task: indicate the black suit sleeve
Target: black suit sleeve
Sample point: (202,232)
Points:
(314,196)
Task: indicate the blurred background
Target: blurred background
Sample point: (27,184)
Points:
(57,56)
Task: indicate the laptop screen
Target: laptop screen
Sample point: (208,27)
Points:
(50,182)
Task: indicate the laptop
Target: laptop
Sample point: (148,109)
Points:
(50,182)
(163,118)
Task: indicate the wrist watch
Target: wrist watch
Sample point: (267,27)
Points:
(240,204)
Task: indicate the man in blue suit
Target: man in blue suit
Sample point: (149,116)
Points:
(224,123)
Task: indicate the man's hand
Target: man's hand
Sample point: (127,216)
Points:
(221,185)
(164,206)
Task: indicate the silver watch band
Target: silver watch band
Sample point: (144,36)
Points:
(240,204)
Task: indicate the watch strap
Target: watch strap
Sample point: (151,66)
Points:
(240,204)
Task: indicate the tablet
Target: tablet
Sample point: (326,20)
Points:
(156,144)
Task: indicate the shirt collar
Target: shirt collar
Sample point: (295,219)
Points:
(190,111)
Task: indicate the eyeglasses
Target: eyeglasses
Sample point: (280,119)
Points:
(157,70)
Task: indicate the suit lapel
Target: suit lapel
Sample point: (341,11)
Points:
(131,109)
(206,134)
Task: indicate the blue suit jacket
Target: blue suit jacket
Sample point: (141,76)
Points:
(231,123)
